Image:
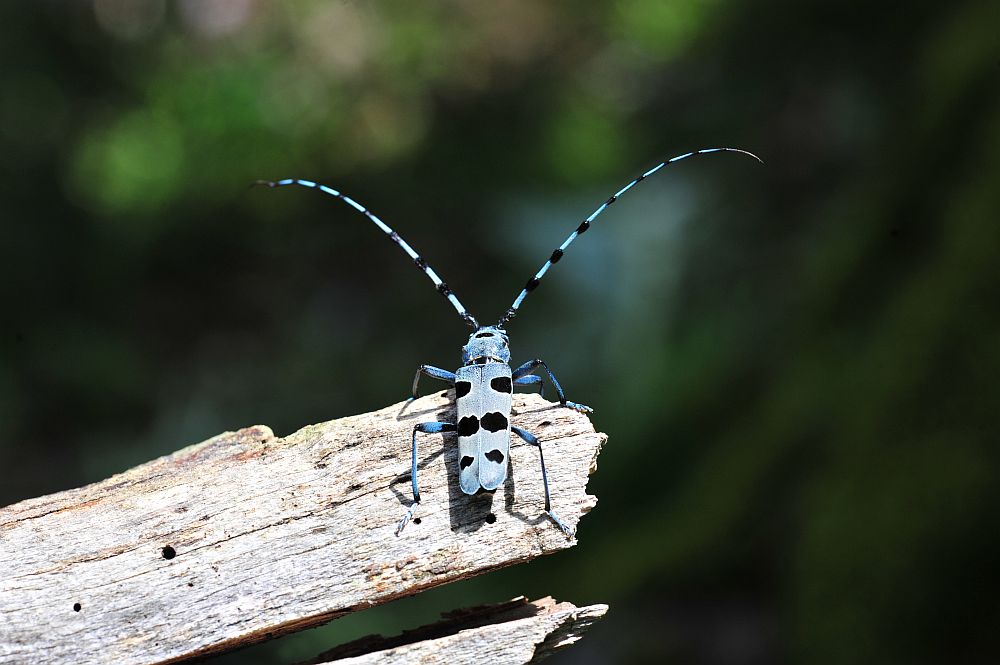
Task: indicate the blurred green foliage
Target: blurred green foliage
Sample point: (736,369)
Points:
(797,365)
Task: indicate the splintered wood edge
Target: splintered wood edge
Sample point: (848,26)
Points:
(511,633)
(248,536)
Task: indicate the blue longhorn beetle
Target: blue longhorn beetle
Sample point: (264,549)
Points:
(484,384)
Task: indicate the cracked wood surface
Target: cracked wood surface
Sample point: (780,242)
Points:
(248,536)
(512,633)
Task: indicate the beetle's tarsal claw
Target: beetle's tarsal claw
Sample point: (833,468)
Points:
(406,518)
(562,525)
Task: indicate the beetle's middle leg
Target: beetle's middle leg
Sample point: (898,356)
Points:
(426,428)
(531,439)
(529,368)
(530,380)
(434,373)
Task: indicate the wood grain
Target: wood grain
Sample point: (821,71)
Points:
(247,536)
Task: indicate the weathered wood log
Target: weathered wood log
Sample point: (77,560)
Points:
(248,536)
(511,633)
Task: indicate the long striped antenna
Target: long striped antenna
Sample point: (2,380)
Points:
(439,283)
(585,225)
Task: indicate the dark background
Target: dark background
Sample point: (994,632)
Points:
(797,364)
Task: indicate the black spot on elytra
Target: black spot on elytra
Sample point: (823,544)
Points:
(502,384)
(556,255)
(468,426)
(495,456)
(462,388)
(466,462)
(168,552)
(77,607)
(494,422)
(532,283)
(491,518)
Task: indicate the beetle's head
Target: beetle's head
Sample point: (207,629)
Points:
(487,344)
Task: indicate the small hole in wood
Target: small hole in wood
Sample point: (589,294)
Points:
(491,518)
(169,552)
(545,423)
(416,520)
(77,607)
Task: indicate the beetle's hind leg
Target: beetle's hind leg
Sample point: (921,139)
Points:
(426,428)
(531,439)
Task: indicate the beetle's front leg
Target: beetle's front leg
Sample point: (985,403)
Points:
(433,372)
(529,368)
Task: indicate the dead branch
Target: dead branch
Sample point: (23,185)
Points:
(512,633)
(248,536)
